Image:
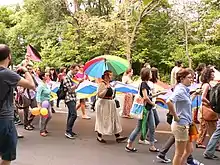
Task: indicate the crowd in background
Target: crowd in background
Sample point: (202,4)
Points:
(30,93)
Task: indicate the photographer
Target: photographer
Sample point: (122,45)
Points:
(8,81)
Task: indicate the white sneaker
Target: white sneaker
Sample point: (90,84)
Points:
(145,142)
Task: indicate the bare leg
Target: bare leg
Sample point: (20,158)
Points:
(187,152)
(83,108)
(180,148)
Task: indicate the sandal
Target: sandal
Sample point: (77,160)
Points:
(101,140)
(28,128)
(130,149)
(156,150)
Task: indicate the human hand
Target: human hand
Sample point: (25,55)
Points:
(153,104)
(198,91)
(80,81)
(162,92)
(176,118)
(73,87)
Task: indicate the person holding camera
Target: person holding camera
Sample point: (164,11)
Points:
(8,81)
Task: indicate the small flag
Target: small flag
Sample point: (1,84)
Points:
(34,54)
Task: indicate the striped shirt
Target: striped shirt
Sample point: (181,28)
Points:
(68,83)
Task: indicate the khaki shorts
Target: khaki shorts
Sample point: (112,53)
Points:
(180,132)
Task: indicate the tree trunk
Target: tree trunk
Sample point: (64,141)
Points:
(147,9)
(76,5)
(187,49)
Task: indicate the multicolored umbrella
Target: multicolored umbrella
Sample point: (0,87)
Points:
(97,66)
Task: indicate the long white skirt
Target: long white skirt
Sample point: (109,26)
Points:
(107,117)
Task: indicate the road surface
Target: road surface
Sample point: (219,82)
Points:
(85,150)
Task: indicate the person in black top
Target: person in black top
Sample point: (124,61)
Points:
(146,94)
(107,116)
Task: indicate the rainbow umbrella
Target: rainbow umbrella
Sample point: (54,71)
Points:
(97,66)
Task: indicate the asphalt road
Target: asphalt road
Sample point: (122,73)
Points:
(85,150)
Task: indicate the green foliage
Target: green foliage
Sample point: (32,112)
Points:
(103,27)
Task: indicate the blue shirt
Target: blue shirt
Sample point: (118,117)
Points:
(43,93)
(183,104)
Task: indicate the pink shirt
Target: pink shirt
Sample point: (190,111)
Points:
(81,76)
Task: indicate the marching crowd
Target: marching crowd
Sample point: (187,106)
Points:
(21,90)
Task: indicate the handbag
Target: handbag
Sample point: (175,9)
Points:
(169,118)
(208,114)
(137,107)
(193,132)
(117,103)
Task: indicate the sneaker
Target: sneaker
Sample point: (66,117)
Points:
(195,162)
(18,122)
(213,157)
(68,135)
(144,142)
(163,159)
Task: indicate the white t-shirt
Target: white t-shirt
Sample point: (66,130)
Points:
(126,80)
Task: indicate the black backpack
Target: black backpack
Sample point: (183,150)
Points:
(214,96)
(61,93)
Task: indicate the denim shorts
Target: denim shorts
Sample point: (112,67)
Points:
(8,140)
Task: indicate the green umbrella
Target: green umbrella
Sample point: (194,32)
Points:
(97,66)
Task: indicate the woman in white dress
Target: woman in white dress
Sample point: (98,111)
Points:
(107,116)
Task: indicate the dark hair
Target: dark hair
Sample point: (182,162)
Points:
(154,72)
(74,66)
(200,67)
(182,74)
(145,74)
(62,69)
(4,52)
(206,75)
(178,63)
(54,76)
(42,75)
(106,73)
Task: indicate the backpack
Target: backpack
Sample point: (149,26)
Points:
(214,96)
(61,93)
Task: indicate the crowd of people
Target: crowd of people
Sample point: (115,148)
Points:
(28,93)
